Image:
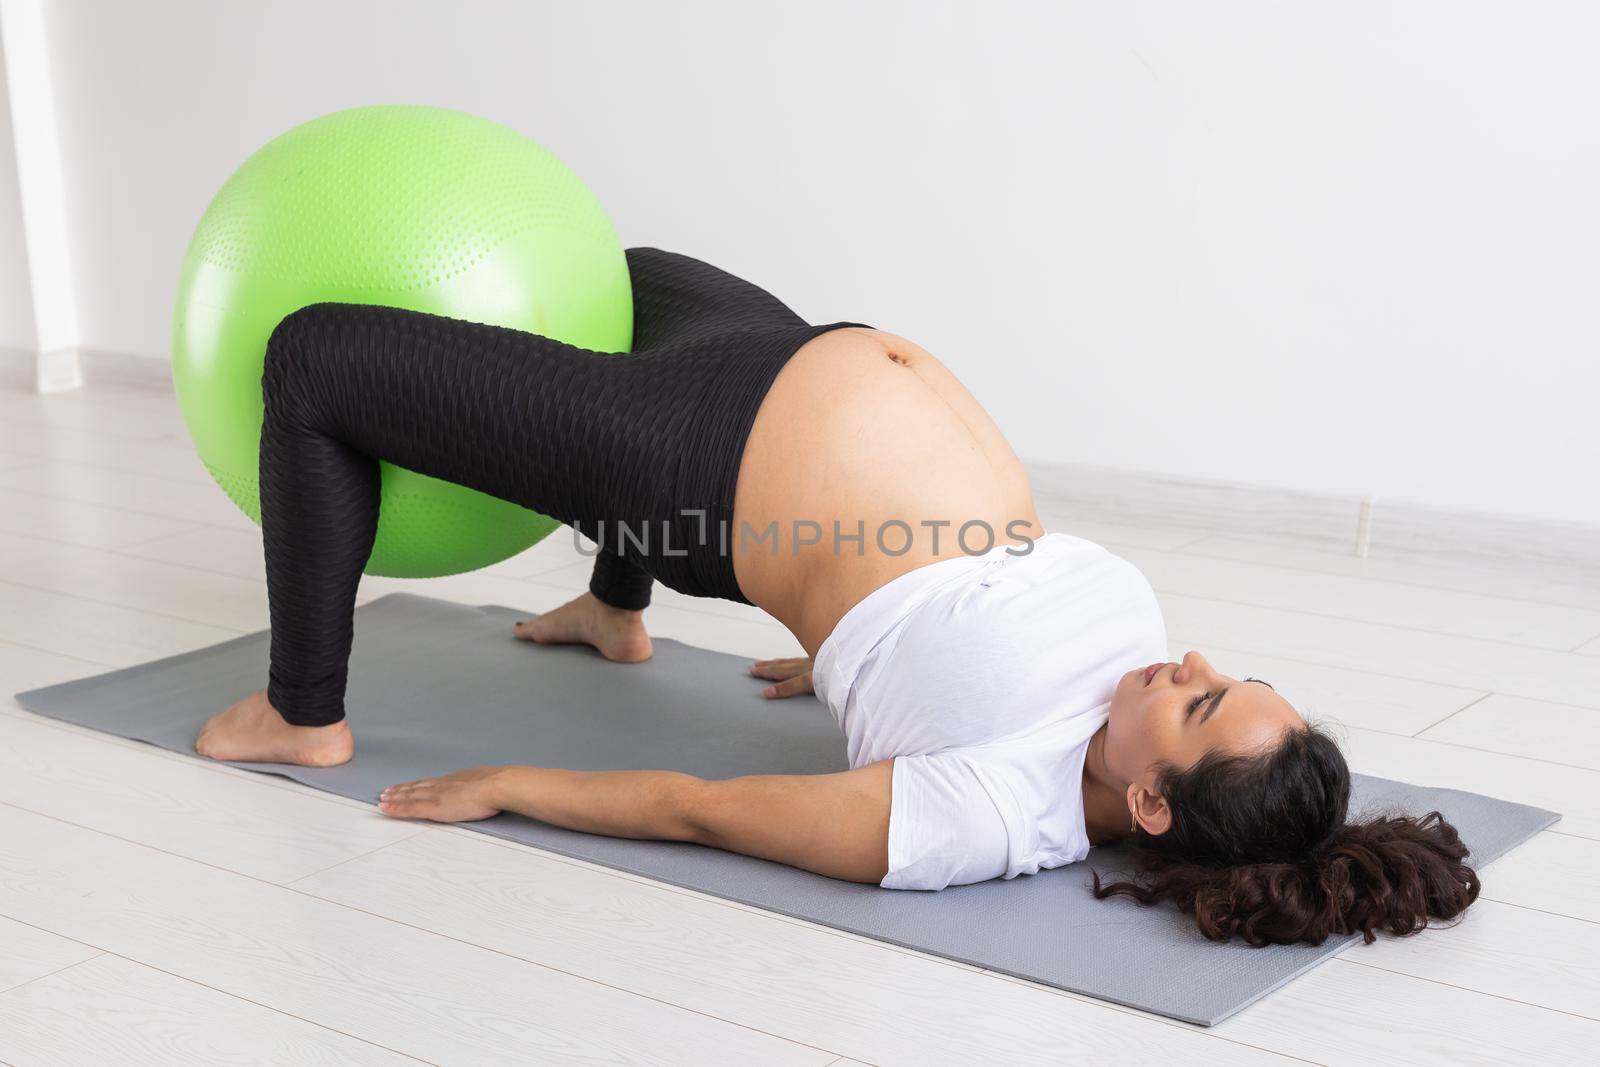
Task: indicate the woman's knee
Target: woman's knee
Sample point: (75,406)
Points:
(300,350)
(301,329)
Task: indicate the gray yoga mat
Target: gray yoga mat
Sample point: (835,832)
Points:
(436,686)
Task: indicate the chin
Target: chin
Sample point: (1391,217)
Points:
(1119,709)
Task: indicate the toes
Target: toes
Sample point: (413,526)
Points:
(528,630)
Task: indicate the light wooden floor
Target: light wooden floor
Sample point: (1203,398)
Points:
(157,909)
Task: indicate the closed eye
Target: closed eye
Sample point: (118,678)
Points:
(1210,711)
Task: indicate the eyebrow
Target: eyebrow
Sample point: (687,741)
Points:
(1212,707)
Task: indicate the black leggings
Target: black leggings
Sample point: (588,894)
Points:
(638,452)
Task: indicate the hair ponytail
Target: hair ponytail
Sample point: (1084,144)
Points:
(1259,850)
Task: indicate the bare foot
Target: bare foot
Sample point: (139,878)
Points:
(252,730)
(465,796)
(618,634)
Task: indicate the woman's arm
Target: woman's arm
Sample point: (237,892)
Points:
(833,824)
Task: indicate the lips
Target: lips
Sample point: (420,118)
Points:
(1151,671)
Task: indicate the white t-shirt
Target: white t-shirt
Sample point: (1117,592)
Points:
(984,677)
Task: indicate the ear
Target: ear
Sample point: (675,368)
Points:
(1150,808)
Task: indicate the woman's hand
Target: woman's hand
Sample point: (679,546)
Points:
(791,675)
(465,796)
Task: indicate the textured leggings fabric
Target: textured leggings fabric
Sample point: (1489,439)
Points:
(651,440)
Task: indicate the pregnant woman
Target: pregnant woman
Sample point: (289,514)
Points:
(1004,691)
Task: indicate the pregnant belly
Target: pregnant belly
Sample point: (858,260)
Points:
(867,459)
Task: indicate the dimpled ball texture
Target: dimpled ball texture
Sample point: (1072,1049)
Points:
(405,206)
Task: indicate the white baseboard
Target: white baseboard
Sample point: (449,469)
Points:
(68,369)
(1327,522)
(16,368)
(57,371)
(1134,498)
(101,367)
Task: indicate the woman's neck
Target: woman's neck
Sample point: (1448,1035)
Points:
(1105,797)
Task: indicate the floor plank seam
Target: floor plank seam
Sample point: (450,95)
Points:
(1380,578)
(157,848)
(1366,622)
(1178,639)
(1554,829)
(41,459)
(112,507)
(196,528)
(234,631)
(1468,989)
(288,888)
(99,953)
(1170,1023)
(79,545)
(1187,546)
(1538,910)
(41,977)
(1469,704)
(51,652)
(23,419)
(722,902)
(1508,755)
(266,781)
(196,568)
(290,884)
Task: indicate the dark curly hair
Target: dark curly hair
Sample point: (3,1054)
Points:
(1259,848)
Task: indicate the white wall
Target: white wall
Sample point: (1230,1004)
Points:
(1347,247)
(16,302)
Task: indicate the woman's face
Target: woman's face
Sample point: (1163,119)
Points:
(1176,712)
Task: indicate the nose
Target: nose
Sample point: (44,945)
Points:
(1194,666)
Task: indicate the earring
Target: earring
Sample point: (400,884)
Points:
(1134,827)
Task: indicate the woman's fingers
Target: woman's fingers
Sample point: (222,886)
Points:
(800,683)
(455,798)
(792,675)
(777,670)
(403,799)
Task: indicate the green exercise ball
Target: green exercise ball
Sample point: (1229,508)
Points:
(410,207)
